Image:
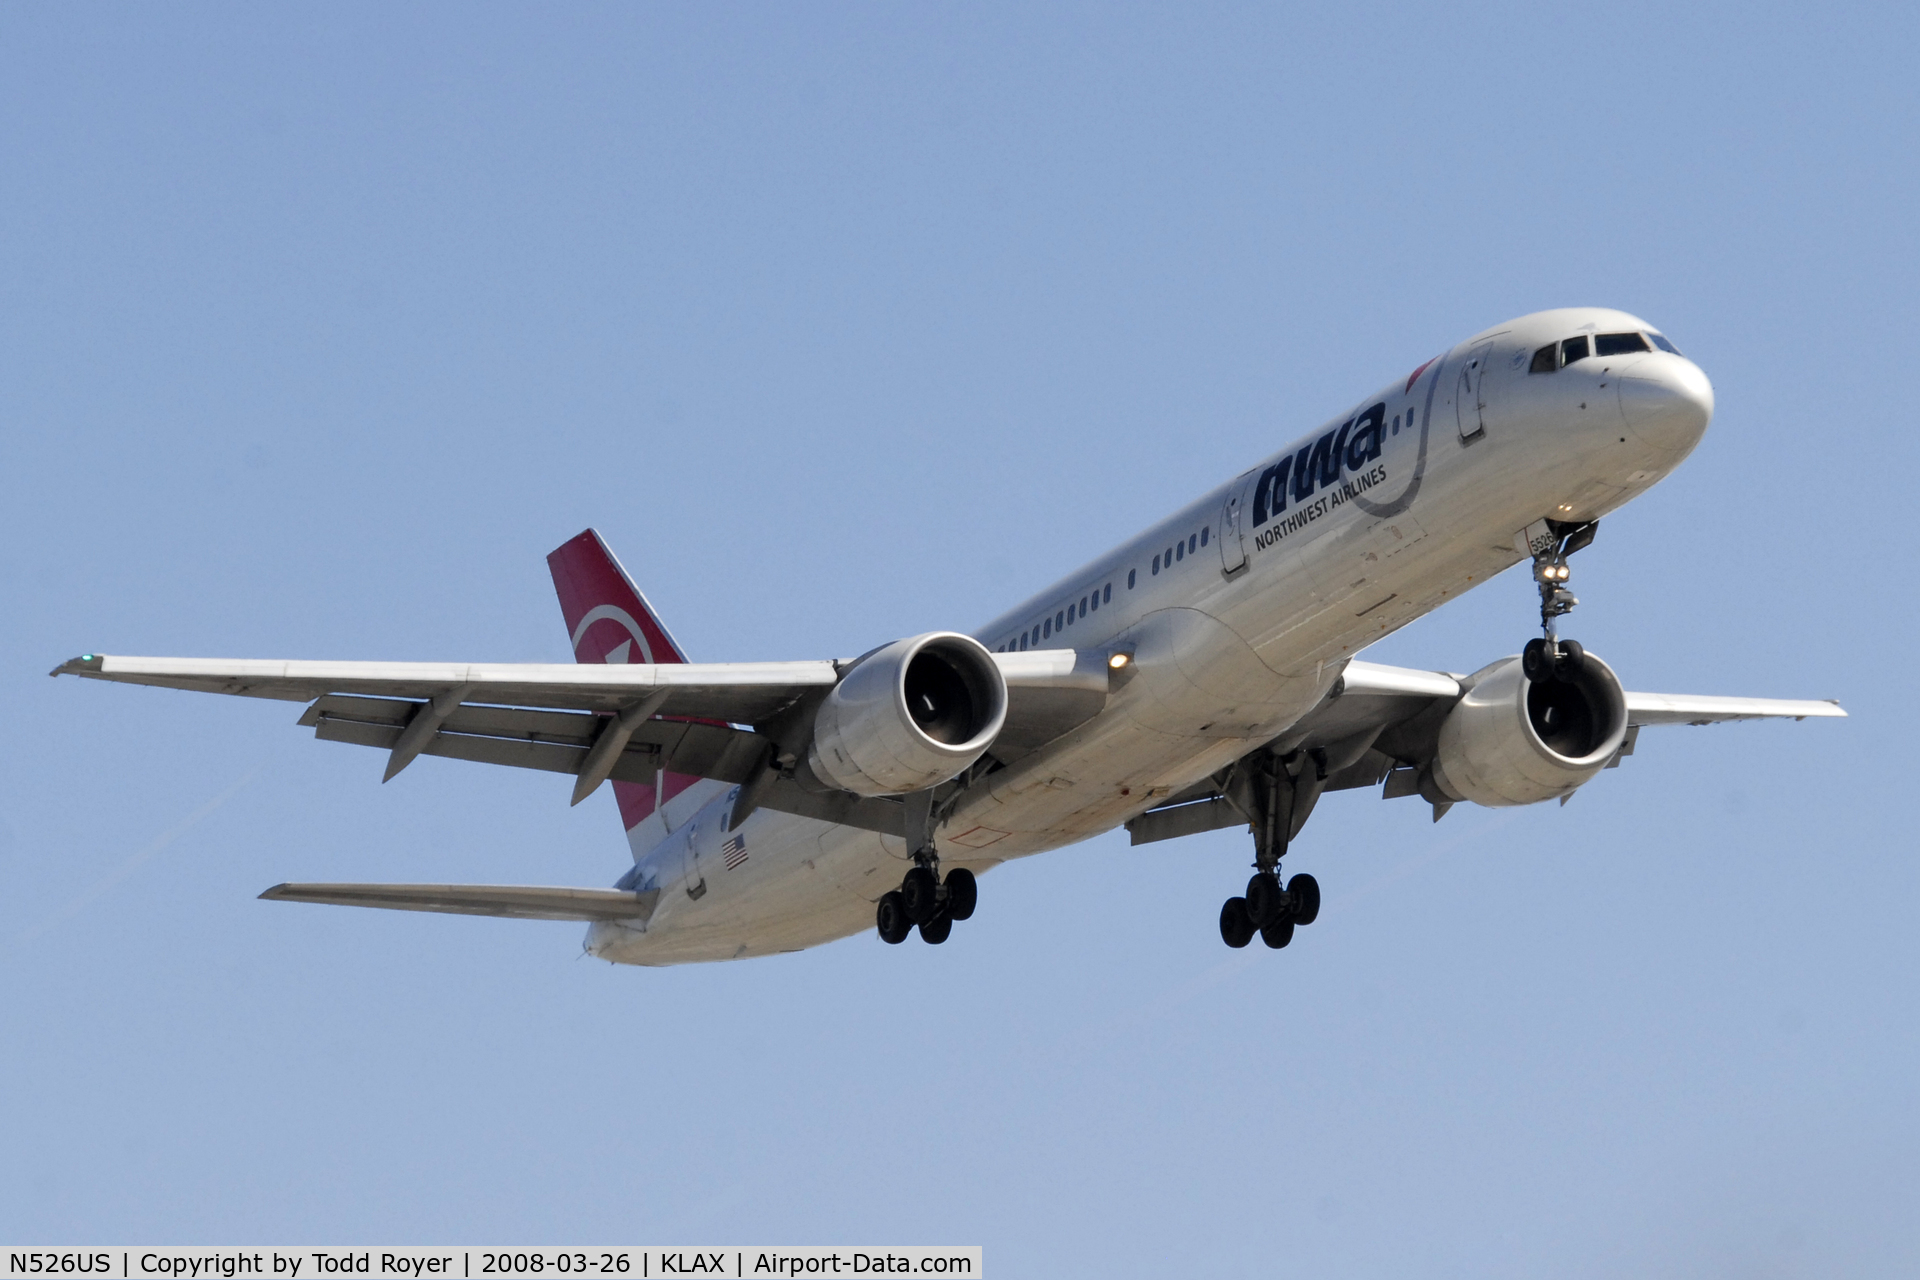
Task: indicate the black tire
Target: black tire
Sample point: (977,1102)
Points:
(963,893)
(936,929)
(1534,664)
(1236,929)
(1573,660)
(891,916)
(1277,934)
(1303,892)
(918,894)
(1264,900)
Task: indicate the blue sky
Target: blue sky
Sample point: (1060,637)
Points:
(320,327)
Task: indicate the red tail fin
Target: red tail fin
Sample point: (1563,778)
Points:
(608,618)
(610,621)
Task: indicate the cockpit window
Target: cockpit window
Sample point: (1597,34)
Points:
(1558,355)
(1619,344)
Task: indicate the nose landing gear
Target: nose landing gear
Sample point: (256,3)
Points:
(1549,657)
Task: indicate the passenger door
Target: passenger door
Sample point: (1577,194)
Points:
(1469,394)
(1233,546)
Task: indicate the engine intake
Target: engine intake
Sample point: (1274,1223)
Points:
(911,715)
(1511,740)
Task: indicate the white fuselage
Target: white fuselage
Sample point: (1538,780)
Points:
(1239,612)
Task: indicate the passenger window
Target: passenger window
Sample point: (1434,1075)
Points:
(1664,345)
(1179,551)
(1573,349)
(1166,557)
(1106,592)
(1545,360)
(1095,597)
(1156,564)
(1203,537)
(1083,606)
(1130,574)
(1046,629)
(1618,344)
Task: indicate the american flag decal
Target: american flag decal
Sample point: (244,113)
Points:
(734,852)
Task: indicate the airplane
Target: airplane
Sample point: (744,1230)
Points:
(1201,676)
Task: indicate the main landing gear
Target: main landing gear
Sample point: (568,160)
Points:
(1271,908)
(925,901)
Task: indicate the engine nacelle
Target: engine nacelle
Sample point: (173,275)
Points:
(909,716)
(1511,740)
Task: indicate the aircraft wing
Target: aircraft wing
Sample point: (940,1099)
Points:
(1695,708)
(596,721)
(515,901)
(1379,724)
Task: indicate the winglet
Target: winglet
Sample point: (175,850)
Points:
(87,664)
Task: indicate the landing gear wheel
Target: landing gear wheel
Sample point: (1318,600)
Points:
(963,893)
(1265,902)
(1277,933)
(1573,660)
(1236,929)
(892,919)
(1535,664)
(918,894)
(1303,893)
(936,929)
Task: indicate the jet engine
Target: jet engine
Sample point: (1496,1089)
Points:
(909,716)
(1511,740)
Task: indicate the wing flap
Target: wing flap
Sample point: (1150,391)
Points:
(557,741)
(513,901)
(553,741)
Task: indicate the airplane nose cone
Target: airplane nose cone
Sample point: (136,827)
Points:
(1667,403)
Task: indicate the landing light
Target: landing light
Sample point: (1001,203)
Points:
(1119,660)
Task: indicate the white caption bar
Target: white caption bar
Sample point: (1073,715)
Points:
(465,1262)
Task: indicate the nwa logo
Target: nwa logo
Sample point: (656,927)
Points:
(1352,448)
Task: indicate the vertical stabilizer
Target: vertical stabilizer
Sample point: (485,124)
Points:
(608,620)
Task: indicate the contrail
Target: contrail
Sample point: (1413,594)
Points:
(132,864)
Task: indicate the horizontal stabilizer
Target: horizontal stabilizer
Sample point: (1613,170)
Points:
(515,901)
